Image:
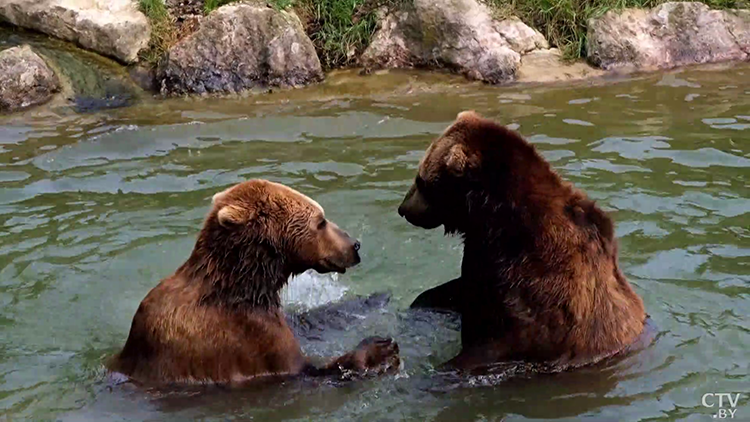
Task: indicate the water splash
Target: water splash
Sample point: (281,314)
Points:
(311,289)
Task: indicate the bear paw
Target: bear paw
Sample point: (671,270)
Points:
(375,355)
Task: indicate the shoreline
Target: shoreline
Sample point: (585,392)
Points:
(243,48)
(348,85)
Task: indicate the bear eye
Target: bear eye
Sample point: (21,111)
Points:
(322,224)
(421,184)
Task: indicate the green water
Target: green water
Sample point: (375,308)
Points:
(96,208)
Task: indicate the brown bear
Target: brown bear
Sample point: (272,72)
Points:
(540,281)
(218,318)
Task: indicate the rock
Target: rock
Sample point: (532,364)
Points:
(738,24)
(25,79)
(114,28)
(541,66)
(521,37)
(670,35)
(144,76)
(239,47)
(460,35)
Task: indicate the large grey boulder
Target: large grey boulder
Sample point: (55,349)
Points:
(669,35)
(114,28)
(25,79)
(240,47)
(460,35)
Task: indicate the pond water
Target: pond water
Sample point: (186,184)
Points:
(96,208)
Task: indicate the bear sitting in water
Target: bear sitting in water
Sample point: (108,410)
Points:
(540,281)
(218,319)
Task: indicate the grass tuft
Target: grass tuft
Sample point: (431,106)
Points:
(564,22)
(154,9)
(341,29)
(163,34)
(211,5)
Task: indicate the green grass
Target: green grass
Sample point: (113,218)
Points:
(154,9)
(564,22)
(211,5)
(341,29)
(162,30)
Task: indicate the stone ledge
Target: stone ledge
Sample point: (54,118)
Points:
(113,28)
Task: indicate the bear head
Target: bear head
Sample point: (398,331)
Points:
(260,220)
(474,164)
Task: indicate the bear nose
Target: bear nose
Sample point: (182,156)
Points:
(357,245)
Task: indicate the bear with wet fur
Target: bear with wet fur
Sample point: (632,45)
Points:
(218,318)
(540,280)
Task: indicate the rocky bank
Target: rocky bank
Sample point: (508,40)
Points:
(113,28)
(252,45)
(669,35)
(241,47)
(25,79)
(459,35)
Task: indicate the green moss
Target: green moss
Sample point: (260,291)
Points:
(564,22)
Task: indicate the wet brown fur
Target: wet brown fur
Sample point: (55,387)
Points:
(540,280)
(218,318)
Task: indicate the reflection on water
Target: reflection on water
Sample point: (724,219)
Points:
(96,208)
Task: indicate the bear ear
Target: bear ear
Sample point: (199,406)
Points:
(232,215)
(458,161)
(219,195)
(468,115)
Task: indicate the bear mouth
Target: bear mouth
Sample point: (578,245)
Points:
(424,222)
(332,264)
(328,266)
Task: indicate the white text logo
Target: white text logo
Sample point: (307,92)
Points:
(725,404)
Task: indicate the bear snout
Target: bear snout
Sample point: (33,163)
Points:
(353,253)
(355,259)
(401,210)
(342,254)
(417,211)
